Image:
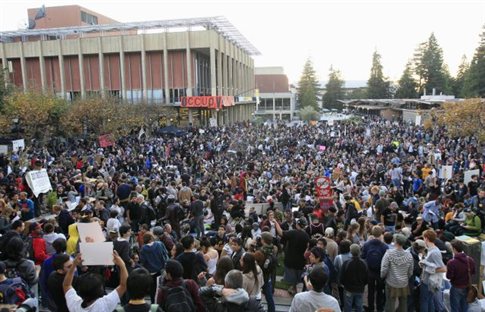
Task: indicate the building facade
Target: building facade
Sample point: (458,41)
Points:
(276,100)
(158,62)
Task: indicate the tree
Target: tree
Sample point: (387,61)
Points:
(333,90)
(459,81)
(36,113)
(308,86)
(377,85)
(308,113)
(429,67)
(5,87)
(465,118)
(474,82)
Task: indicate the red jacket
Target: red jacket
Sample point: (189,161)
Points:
(40,252)
(192,287)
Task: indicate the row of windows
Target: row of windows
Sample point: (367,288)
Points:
(89,18)
(279,104)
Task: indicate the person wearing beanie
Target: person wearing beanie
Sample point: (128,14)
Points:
(397,267)
(174,278)
(354,279)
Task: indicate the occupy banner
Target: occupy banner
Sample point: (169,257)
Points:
(38,181)
(106,140)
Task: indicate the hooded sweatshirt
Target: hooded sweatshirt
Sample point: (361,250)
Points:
(397,267)
(457,270)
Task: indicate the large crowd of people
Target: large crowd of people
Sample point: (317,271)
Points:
(355,216)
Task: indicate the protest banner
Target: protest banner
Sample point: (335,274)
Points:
(38,181)
(90,232)
(106,140)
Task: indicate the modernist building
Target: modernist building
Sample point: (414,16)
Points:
(277,101)
(170,62)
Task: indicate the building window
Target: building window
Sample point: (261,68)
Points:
(286,104)
(89,18)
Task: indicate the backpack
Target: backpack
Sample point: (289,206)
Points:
(29,248)
(269,266)
(180,213)
(153,308)
(11,270)
(374,259)
(178,299)
(14,291)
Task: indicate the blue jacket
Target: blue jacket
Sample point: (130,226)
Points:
(153,257)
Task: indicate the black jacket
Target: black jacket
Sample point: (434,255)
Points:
(354,275)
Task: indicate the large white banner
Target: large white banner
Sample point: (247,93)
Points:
(38,181)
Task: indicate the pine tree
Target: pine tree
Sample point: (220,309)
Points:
(407,88)
(430,68)
(377,85)
(308,86)
(333,90)
(459,81)
(474,84)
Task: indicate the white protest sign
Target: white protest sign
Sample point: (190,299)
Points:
(91,230)
(97,253)
(331,122)
(446,172)
(417,122)
(18,144)
(468,175)
(38,181)
(4,149)
(213,122)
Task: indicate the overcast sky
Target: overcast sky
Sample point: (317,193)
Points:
(340,33)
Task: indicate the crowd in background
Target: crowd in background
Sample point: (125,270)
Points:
(381,238)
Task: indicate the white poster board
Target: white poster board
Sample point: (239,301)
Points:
(213,122)
(331,122)
(446,172)
(18,144)
(468,175)
(91,230)
(417,122)
(4,149)
(38,181)
(97,253)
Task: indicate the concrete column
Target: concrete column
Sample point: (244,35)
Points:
(23,66)
(191,117)
(143,67)
(122,69)
(5,65)
(165,68)
(101,68)
(189,67)
(224,73)
(42,67)
(230,85)
(61,69)
(274,107)
(219,72)
(213,70)
(81,69)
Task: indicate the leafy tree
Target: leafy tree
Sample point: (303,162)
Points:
(377,85)
(37,113)
(459,81)
(429,67)
(474,82)
(333,90)
(465,118)
(308,86)
(308,113)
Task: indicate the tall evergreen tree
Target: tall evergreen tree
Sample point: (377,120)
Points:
(407,88)
(429,67)
(459,81)
(333,90)
(377,85)
(308,86)
(474,84)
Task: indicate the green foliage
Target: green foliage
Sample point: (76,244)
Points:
(459,82)
(407,88)
(357,93)
(333,90)
(474,81)
(308,86)
(377,86)
(5,87)
(430,68)
(308,113)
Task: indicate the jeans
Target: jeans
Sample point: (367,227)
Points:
(458,299)
(426,299)
(199,225)
(390,228)
(267,290)
(353,299)
(375,292)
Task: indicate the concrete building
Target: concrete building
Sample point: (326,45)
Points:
(277,101)
(179,63)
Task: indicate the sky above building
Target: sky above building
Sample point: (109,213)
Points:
(342,33)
